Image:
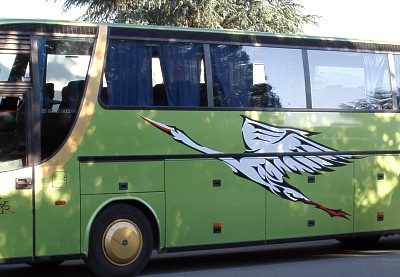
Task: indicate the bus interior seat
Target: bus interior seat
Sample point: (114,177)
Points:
(9,103)
(57,125)
(71,96)
(203,95)
(104,98)
(160,95)
(48,96)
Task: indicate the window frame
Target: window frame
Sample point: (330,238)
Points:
(261,40)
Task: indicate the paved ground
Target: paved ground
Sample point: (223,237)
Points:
(319,258)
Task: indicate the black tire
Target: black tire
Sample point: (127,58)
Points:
(124,249)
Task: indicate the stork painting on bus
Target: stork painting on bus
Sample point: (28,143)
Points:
(270,171)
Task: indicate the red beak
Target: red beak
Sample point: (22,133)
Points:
(165,128)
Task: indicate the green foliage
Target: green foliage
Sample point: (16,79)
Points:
(282,16)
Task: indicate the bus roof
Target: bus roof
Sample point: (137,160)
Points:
(258,37)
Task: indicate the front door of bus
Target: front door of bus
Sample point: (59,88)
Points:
(16,217)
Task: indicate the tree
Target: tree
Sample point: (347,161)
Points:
(281,16)
(377,100)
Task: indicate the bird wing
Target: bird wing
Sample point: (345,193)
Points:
(261,137)
(263,172)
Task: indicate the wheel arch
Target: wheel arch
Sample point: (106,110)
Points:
(135,202)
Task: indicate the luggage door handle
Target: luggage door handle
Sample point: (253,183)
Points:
(23,183)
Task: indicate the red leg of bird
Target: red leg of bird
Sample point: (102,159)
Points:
(331,212)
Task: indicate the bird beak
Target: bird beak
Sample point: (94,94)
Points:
(165,128)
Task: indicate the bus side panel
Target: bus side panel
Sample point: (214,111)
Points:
(15,216)
(120,177)
(93,204)
(139,183)
(57,211)
(334,190)
(377,202)
(208,204)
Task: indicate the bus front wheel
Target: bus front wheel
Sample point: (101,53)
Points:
(120,242)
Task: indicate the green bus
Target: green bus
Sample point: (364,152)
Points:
(117,140)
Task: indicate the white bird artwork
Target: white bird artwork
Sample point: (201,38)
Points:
(286,149)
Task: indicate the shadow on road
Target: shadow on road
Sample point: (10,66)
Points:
(66,269)
(264,255)
(221,259)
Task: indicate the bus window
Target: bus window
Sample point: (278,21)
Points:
(139,74)
(128,74)
(14,68)
(278,78)
(246,76)
(64,74)
(350,80)
(12,133)
(160,97)
(181,66)
(397,71)
(232,76)
(159,93)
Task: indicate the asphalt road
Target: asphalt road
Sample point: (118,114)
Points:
(319,258)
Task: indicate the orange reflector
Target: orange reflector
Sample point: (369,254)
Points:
(217,228)
(380,216)
(60,202)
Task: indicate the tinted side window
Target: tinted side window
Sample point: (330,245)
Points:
(12,132)
(246,76)
(139,74)
(63,68)
(349,80)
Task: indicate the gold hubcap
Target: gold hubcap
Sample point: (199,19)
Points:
(122,242)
